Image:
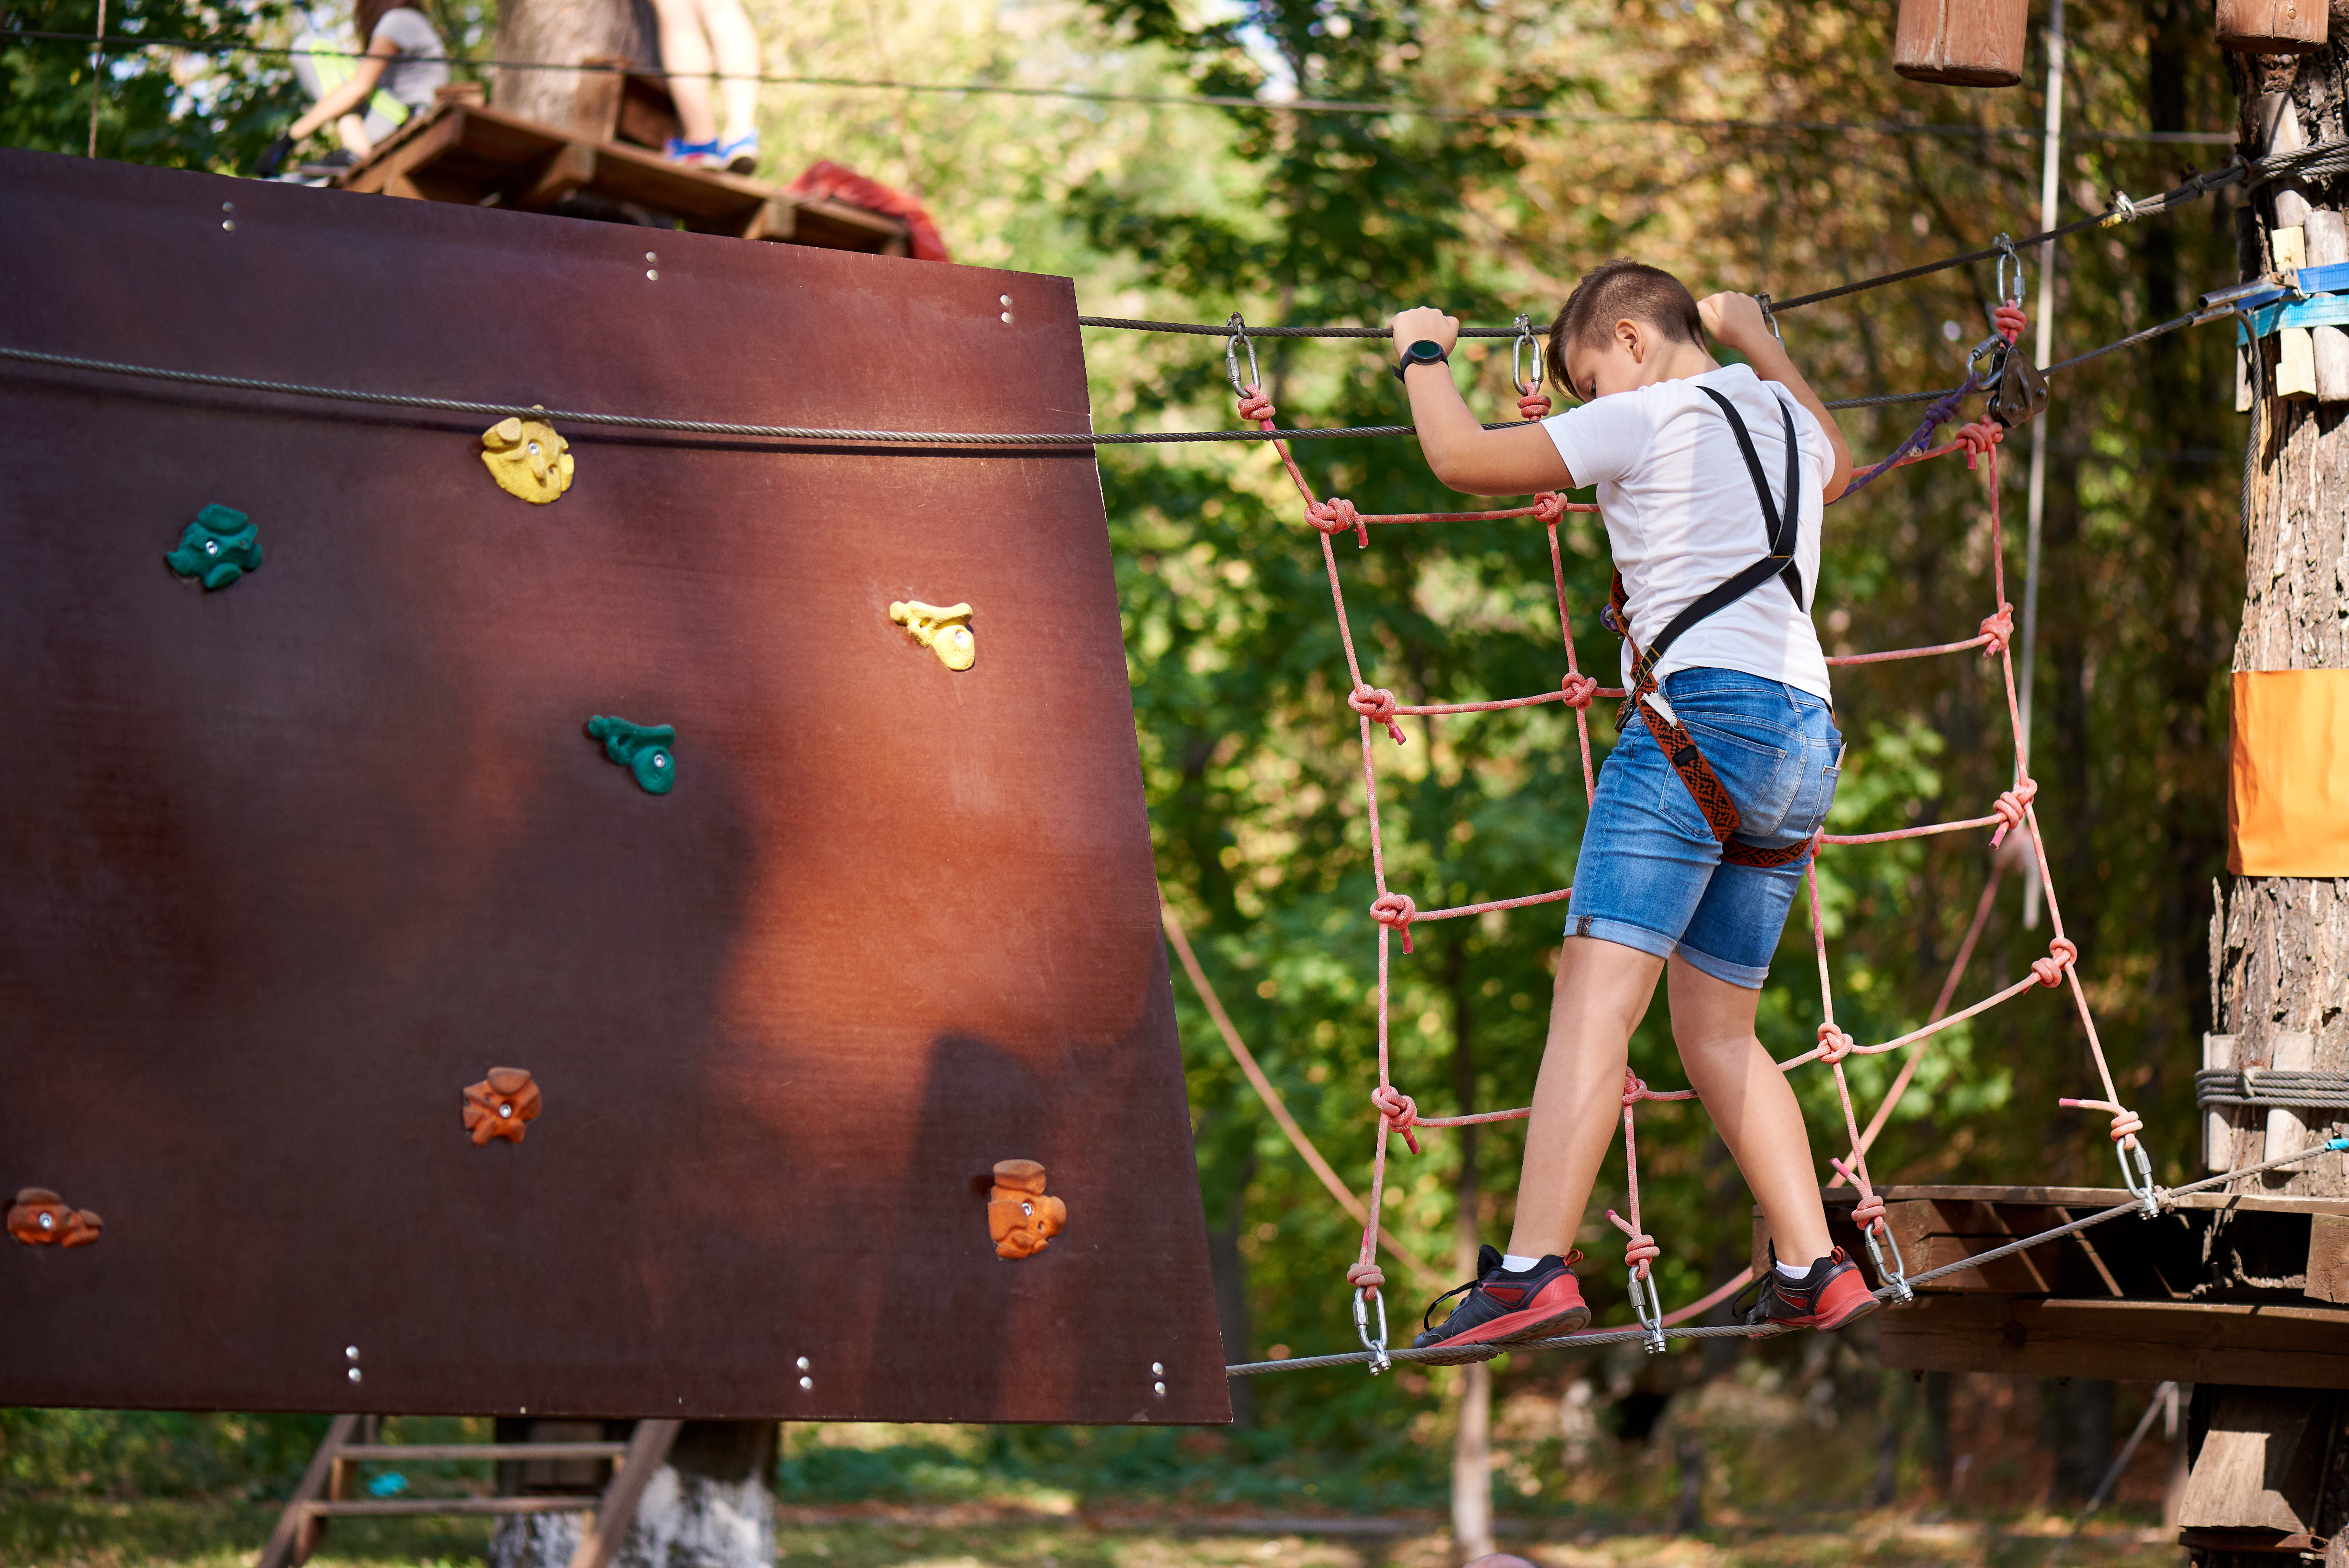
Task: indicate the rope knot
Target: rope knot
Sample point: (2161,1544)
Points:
(1336,516)
(1255,407)
(1533,406)
(1999,629)
(1366,1277)
(2062,954)
(1640,1250)
(2009,809)
(2127,1125)
(1834,1043)
(1579,690)
(1549,507)
(1397,1113)
(1635,1088)
(1869,1212)
(1979,437)
(2009,319)
(1377,704)
(1396,911)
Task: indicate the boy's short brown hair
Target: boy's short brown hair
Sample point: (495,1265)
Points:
(1610,293)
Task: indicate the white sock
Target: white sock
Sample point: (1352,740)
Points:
(1794,1271)
(1516,1265)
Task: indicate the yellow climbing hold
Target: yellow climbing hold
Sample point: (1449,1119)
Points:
(945,631)
(527,459)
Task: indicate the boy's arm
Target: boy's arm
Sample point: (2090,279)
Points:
(1735,321)
(1463,453)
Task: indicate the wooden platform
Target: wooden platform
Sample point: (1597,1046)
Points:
(468,153)
(2223,1288)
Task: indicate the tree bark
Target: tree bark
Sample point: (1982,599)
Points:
(562,32)
(2280,945)
(711,1505)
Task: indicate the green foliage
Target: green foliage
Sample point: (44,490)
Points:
(155,105)
(126,1454)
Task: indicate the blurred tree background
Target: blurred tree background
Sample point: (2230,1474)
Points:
(1760,145)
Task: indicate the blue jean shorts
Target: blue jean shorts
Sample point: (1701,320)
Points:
(1650,875)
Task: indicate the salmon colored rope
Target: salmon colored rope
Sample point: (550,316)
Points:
(1394,912)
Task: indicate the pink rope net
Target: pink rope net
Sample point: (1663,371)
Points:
(1396,911)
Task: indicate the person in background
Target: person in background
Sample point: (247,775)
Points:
(698,39)
(369,97)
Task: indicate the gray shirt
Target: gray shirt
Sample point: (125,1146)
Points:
(421,67)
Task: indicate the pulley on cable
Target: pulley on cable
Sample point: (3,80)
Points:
(2018,392)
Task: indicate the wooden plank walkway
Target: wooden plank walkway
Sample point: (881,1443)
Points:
(464,152)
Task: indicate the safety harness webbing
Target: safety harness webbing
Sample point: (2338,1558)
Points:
(1679,747)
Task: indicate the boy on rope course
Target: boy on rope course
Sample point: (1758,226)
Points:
(1711,480)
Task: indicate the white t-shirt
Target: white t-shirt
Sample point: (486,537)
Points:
(1682,516)
(421,68)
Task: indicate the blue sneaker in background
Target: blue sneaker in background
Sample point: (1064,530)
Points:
(740,156)
(692,154)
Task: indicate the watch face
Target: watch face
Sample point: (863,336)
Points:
(1425,348)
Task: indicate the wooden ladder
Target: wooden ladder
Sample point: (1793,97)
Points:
(348,1442)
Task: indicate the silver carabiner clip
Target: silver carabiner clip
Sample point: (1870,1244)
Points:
(2006,257)
(1232,347)
(1995,344)
(1377,1348)
(1769,317)
(1894,1273)
(1526,340)
(2147,1195)
(1648,1308)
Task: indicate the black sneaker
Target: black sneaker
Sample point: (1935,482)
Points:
(1830,1295)
(1506,1308)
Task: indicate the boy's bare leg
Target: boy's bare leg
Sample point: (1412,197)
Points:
(1603,989)
(1752,1104)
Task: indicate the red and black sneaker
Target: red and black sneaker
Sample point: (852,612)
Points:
(1505,1308)
(1831,1295)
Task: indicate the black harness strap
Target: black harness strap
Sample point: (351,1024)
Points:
(1679,747)
(1783,533)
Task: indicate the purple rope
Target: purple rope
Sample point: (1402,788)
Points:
(1939,414)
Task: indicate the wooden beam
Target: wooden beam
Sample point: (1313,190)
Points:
(2191,1342)
(391,1507)
(416,1453)
(285,1545)
(443,133)
(777,220)
(569,168)
(647,1450)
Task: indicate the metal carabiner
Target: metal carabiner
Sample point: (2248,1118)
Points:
(2006,255)
(1526,340)
(1995,344)
(1648,1308)
(1769,317)
(2148,1196)
(1377,1348)
(1232,347)
(1894,1273)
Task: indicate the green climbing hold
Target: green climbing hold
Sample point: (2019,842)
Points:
(644,750)
(217,549)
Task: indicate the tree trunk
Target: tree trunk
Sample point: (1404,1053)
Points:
(1472,1443)
(562,32)
(711,1505)
(2281,944)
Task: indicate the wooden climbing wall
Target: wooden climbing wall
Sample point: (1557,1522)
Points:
(291,863)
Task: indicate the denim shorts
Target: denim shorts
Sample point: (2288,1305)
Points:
(1650,875)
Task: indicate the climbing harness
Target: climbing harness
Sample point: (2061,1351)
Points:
(1672,738)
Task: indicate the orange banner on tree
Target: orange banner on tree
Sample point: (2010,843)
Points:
(2288,785)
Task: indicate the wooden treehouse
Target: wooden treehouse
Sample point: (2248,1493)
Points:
(605,162)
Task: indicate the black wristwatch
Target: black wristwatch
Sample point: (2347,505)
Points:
(1426,351)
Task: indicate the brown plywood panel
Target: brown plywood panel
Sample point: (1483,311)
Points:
(299,860)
